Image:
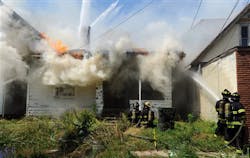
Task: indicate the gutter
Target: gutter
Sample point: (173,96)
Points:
(229,51)
(220,35)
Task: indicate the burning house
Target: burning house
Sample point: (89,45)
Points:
(109,98)
(225,63)
(61,79)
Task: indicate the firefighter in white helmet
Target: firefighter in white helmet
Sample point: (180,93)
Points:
(147,115)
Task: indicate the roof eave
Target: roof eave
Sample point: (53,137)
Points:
(220,35)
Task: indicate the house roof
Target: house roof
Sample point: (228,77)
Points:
(78,54)
(23,22)
(195,62)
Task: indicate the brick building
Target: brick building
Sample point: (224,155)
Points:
(243,78)
(225,63)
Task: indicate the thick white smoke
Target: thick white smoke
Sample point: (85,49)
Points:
(11,53)
(156,68)
(12,66)
(68,70)
(65,69)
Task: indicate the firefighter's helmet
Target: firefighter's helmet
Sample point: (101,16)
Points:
(235,96)
(226,92)
(147,103)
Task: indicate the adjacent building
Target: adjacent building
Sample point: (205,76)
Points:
(225,63)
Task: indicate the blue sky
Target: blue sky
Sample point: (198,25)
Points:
(60,18)
(170,10)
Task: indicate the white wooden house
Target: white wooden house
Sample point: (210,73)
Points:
(39,99)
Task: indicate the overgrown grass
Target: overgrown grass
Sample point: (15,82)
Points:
(184,141)
(31,136)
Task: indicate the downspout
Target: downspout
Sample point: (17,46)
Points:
(199,69)
(27,99)
(3,104)
(140,105)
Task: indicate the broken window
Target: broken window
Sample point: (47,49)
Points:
(64,92)
(244,36)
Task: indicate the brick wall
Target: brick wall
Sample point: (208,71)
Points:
(243,80)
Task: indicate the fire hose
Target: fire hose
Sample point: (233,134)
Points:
(237,133)
(138,123)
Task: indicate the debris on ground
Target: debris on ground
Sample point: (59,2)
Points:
(150,153)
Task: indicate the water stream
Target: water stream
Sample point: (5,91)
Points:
(203,85)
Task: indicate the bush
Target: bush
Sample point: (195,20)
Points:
(77,126)
(191,118)
(123,123)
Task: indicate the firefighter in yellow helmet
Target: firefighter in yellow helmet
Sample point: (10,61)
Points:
(220,109)
(135,114)
(235,119)
(147,115)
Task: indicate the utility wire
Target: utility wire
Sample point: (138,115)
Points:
(195,16)
(125,20)
(235,5)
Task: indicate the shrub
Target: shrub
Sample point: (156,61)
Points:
(191,118)
(77,126)
(123,123)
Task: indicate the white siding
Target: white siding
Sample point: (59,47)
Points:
(41,100)
(1,98)
(229,40)
(218,75)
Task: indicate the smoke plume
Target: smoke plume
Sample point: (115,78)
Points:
(13,47)
(108,59)
(156,68)
(66,69)
(114,63)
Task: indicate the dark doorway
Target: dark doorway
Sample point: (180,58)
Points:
(15,99)
(117,102)
(123,86)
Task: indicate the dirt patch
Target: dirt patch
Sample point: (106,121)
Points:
(210,154)
(202,136)
(150,153)
(132,131)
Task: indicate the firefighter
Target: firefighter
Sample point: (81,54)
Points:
(147,115)
(135,114)
(130,117)
(220,109)
(236,122)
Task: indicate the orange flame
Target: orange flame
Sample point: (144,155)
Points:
(58,46)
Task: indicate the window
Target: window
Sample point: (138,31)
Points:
(64,92)
(244,36)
